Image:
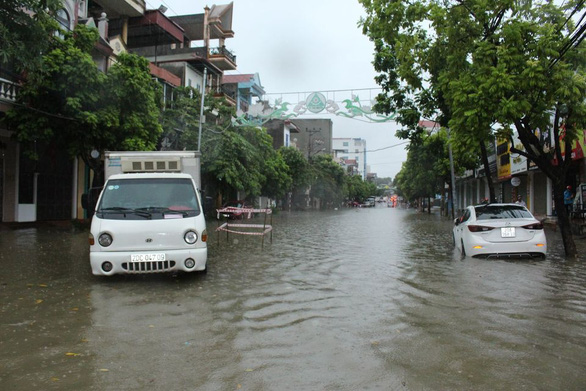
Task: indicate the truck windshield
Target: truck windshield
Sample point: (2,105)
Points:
(148,198)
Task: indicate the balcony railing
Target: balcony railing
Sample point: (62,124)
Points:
(8,90)
(222,51)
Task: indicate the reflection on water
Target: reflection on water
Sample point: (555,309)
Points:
(352,299)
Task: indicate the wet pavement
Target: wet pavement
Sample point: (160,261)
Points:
(355,299)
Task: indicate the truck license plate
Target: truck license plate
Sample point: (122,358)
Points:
(508,232)
(152,257)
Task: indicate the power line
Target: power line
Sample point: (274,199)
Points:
(380,149)
(575,37)
(390,146)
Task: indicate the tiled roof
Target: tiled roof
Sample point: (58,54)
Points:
(429,124)
(231,79)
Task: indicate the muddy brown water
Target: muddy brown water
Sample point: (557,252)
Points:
(354,299)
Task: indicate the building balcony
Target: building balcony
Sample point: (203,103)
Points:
(8,90)
(115,8)
(227,94)
(222,58)
(165,53)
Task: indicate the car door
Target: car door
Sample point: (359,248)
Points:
(459,228)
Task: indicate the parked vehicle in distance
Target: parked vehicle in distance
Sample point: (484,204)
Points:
(233,210)
(369,203)
(499,230)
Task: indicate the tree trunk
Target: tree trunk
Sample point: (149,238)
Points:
(487,173)
(452,201)
(557,172)
(564,221)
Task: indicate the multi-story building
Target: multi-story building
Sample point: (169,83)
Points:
(314,137)
(283,132)
(352,153)
(182,52)
(244,88)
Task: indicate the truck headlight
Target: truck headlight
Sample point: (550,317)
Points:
(190,237)
(105,240)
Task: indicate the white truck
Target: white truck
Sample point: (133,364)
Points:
(149,216)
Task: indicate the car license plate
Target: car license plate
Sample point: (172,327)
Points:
(508,232)
(153,257)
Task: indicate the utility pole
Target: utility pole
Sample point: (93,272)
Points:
(201,117)
(309,145)
(453,186)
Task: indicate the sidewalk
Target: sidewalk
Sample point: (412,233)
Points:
(59,224)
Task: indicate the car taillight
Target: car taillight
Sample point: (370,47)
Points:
(479,228)
(533,226)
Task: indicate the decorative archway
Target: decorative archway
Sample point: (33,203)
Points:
(315,103)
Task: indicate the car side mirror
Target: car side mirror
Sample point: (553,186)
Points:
(457,221)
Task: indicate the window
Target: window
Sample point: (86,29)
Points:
(345,144)
(492,212)
(466,215)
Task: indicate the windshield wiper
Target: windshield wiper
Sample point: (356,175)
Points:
(165,210)
(118,209)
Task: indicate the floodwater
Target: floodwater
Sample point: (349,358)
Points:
(355,299)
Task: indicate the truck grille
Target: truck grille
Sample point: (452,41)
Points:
(148,267)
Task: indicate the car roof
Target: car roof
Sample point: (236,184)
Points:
(497,204)
(149,175)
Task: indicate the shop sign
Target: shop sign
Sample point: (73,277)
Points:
(503,159)
(518,162)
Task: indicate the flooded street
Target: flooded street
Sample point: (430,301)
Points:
(355,299)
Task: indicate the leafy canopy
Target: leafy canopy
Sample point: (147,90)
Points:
(25,31)
(68,101)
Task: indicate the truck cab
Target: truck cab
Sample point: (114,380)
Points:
(148,222)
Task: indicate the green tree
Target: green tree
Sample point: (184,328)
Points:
(230,160)
(329,181)
(427,168)
(278,176)
(69,102)
(25,31)
(357,189)
(299,171)
(180,118)
(233,158)
(484,65)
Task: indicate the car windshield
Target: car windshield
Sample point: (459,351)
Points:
(490,212)
(151,198)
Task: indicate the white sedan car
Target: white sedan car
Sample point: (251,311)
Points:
(499,230)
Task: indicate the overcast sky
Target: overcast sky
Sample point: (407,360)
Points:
(304,46)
